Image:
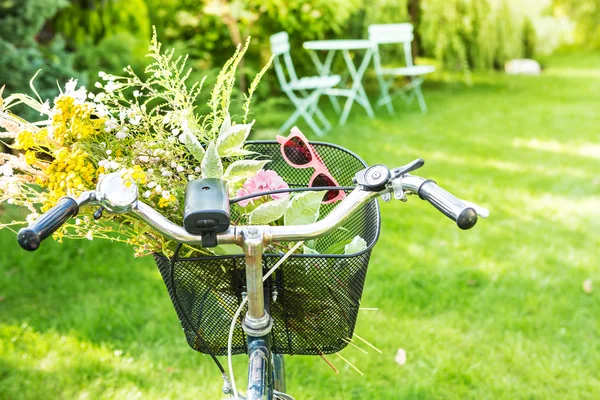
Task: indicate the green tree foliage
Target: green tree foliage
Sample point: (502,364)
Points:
(586,14)
(471,34)
(529,38)
(106,34)
(208,35)
(25,48)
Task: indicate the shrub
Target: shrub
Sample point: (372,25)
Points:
(465,35)
(529,38)
(21,26)
(105,34)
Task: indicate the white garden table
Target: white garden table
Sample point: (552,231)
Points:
(355,92)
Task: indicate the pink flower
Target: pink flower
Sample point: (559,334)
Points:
(263,181)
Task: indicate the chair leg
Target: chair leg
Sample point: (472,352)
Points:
(314,109)
(385,98)
(420,98)
(306,107)
(317,111)
(336,104)
(289,122)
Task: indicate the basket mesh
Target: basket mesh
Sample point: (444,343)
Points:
(318,296)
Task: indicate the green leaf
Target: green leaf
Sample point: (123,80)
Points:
(304,208)
(233,139)
(269,212)
(227,249)
(23,98)
(243,169)
(308,250)
(33,87)
(193,145)
(357,245)
(211,164)
(240,153)
(337,248)
(225,126)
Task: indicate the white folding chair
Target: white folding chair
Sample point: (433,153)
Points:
(398,33)
(305,92)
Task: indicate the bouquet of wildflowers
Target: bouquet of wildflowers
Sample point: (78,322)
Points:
(148,129)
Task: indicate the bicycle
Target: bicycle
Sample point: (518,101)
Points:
(211,226)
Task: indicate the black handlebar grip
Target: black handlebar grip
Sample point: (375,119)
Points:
(30,238)
(450,206)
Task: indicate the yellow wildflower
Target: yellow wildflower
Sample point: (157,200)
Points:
(163,202)
(25,140)
(30,157)
(139,175)
(41,137)
(74,122)
(70,173)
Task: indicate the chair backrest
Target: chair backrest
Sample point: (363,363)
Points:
(393,33)
(280,46)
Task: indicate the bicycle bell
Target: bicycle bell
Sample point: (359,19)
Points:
(116,194)
(373,178)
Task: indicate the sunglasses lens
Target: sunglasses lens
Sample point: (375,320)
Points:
(324,180)
(296,151)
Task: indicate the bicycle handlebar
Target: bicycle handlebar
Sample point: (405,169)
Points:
(30,238)
(453,208)
(465,214)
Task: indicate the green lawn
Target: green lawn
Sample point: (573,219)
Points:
(497,312)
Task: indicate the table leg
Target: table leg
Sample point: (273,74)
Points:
(357,90)
(324,68)
(324,72)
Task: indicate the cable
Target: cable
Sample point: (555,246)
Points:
(300,189)
(239,311)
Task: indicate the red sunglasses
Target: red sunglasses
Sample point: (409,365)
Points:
(298,153)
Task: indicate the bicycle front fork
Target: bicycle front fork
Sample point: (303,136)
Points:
(266,373)
(265,370)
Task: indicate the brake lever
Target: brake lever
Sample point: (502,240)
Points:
(405,169)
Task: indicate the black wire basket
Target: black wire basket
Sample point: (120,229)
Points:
(317,296)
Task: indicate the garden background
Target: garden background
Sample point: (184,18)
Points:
(507,310)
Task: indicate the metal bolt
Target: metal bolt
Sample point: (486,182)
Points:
(252,233)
